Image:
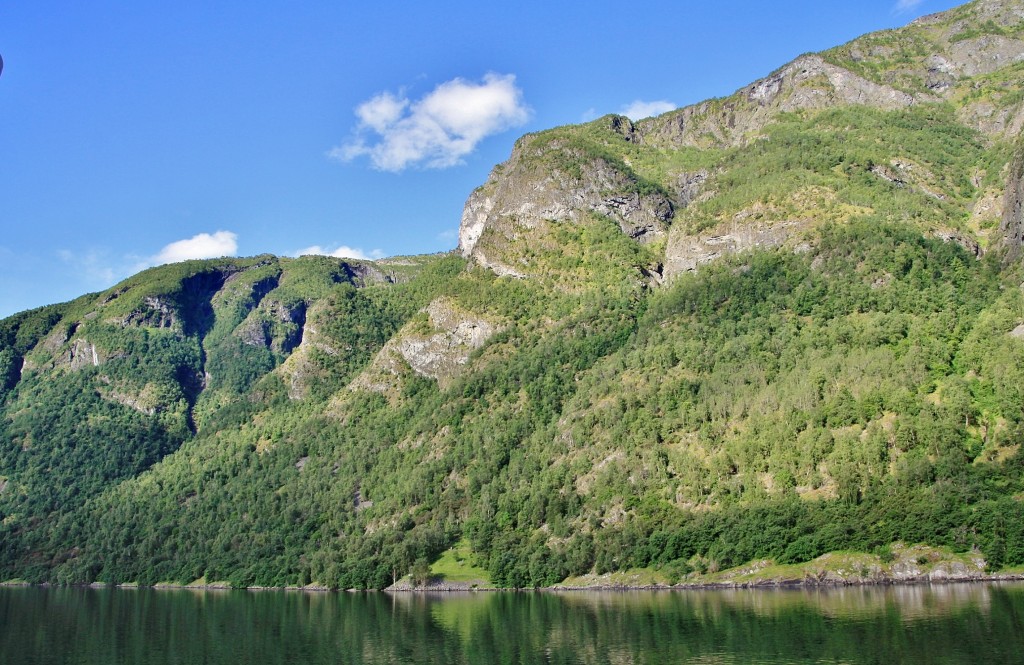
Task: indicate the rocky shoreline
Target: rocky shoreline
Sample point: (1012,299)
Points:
(804,583)
(461,587)
(898,565)
(772,583)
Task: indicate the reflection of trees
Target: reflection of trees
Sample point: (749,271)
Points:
(950,624)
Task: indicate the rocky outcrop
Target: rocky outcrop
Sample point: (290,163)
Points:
(437,584)
(437,348)
(189,307)
(365,274)
(147,401)
(555,182)
(61,348)
(981,55)
(83,353)
(550,178)
(275,325)
(937,59)
(157,312)
(965,240)
(807,83)
(686,253)
(1012,225)
(440,355)
(301,368)
(905,174)
(995,114)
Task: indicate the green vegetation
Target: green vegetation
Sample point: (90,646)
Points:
(286,422)
(774,406)
(571,148)
(457,565)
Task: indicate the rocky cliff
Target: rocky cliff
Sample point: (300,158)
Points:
(678,177)
(1012,224)
(546,183)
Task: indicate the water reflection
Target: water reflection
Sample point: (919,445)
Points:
(911,601)
(957,623)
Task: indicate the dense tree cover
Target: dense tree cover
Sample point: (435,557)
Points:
(861,384)
(18,335)
(775,405)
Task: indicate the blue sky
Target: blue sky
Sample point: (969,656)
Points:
(137,133)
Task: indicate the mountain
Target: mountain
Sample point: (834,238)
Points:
(766,327)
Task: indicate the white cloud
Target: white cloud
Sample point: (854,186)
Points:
(341,252)
(438,130)
(903,6)
(92,267)
(201,246)
(641,109)
(382,111)
(99,268)
(589,114)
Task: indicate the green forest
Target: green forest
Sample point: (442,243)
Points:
(856,384)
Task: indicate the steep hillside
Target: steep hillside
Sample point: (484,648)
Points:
(916,124)
(768,326)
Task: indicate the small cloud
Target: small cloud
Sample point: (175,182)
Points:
(382,111)
(98,268)
(438,130)
(201,246)
(641,109)
(589,114)
(448,235)
(341,252)
(904,6)
(93,267)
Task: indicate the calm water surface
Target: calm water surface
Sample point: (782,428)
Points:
(974,623)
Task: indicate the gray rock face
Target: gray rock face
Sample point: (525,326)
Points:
(940,58)
(976,57)
(532,189)
(83,354)
(365,274)
(983,55)
(1000,121)
(1012,225)
(811,83)
(301,369)
(689,187)
(962,239)
(274,325)
(253,332)
(686,253)
(806,83)
(1004,13)
(474,217)
(137,402)
(157,313)
(438,354)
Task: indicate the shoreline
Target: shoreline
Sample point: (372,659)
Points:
(455,588)
(901,565)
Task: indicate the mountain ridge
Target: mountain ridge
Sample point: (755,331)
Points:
(941,64)
(764,327)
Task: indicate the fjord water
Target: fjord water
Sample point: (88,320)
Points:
(976,623)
